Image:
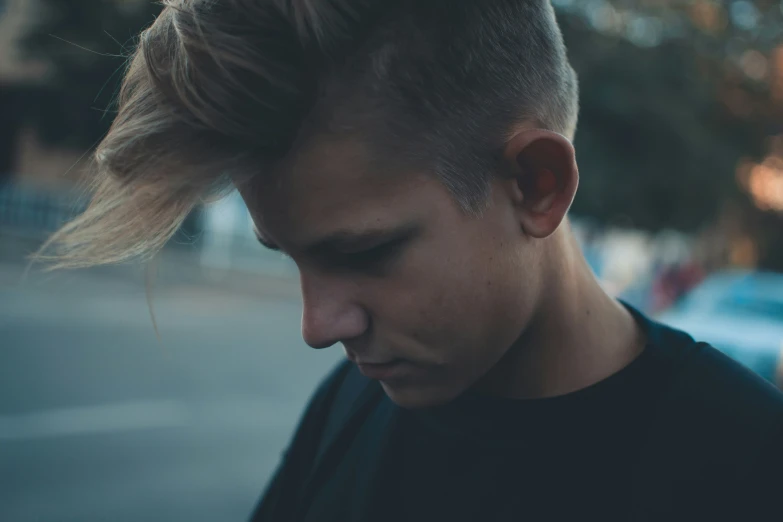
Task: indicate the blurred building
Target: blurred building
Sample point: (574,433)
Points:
(16,17)
(23,155)
(36,178)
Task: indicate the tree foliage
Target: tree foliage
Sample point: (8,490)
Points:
(666,121)
(675,96)
(86,44)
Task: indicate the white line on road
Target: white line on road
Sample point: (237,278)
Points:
(225,413)
(94,419)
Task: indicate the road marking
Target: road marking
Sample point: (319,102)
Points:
(226,413)
(113,418)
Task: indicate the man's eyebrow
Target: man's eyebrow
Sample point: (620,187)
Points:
(350,240)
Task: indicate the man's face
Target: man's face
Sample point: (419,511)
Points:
(394,270)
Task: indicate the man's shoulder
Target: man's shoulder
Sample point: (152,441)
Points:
(717,408)
(708,384)
(716,436)
(339,392)
(327,389)
(713,386)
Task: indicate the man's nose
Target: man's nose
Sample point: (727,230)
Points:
(330,313)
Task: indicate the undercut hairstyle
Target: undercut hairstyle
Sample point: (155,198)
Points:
(219,90)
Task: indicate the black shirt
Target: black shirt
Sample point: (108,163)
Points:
(660,439)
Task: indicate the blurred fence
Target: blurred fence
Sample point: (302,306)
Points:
(36,212)
(218,237)
(33,212)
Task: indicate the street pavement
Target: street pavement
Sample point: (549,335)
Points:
(101,420)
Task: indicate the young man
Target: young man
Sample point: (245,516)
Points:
(414,159)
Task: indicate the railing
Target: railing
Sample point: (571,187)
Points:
(32,212)
(219,236)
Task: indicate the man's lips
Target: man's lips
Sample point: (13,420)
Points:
(384,371)
(364,362)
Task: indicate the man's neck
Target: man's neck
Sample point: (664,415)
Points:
(577,337)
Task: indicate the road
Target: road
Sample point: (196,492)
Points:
(102,421)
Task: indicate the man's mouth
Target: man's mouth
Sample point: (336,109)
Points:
(384,371)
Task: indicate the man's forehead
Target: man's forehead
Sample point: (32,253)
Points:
(326,163)
(326,186)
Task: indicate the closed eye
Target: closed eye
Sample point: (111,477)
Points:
(271,246)
(371,258)
(371,251)
(267,244)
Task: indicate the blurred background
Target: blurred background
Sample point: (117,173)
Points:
(680,213)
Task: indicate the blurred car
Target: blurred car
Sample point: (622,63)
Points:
(741,314)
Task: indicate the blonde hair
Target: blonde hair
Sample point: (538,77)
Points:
(217,90)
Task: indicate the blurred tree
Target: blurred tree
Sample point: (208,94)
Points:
(675,95)
(86,43)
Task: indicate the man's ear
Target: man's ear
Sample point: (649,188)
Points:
(542,177)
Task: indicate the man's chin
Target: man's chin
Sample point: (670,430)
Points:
(413,397)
